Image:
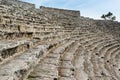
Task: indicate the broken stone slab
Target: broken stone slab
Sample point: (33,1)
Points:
(10,48)
(20,66)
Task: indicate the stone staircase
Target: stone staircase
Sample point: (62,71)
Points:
(89,57)
(54,44)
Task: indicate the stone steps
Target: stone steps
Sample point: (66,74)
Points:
(65,60)
(66,67)
(47,69)
(24,62)
(87,57)
(97,64)
(56,44)
(88,53)
(78,63)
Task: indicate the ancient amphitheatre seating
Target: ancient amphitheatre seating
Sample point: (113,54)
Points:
(54,44)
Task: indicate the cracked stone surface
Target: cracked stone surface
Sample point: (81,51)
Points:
(56,44)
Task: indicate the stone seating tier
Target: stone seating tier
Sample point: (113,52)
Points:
(56,44)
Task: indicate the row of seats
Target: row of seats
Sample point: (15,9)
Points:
(85,58)
(44,45)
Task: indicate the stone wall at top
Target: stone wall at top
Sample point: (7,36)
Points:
(68,19)
(72,13)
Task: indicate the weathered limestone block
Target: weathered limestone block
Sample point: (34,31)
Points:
(15,35)
(8,49)
(61,11)
(9,28)
(22,64)
(25,28)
